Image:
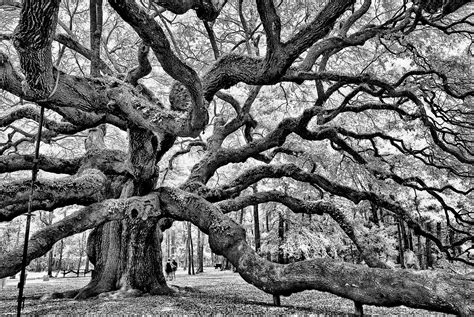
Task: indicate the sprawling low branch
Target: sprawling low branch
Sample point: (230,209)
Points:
(432,290)
(253,175)
(85,218)
(86,188)
(319,207)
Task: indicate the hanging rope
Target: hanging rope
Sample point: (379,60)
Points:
(34,174)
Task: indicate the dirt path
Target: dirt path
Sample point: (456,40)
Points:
(213,292)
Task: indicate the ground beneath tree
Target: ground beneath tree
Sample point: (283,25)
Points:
(213,292)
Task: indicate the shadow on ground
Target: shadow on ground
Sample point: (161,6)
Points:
(212,292)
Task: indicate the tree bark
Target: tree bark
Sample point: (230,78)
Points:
(127,254)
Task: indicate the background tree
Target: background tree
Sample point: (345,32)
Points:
(335,104)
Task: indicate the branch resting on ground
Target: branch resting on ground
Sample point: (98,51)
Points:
(432,290)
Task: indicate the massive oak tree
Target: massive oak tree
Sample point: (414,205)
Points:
(382,88)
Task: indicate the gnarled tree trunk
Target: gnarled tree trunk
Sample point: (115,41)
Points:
(127,254)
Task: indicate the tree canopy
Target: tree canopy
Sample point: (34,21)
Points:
(159,111)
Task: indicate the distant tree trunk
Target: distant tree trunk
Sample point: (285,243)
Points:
(186,245)
(439,231)
(410,239)
(401,247)
(429,255)
(86,268)
(168,244)
(173,242)
(267,220)
(281,237)
(190,250)
(49,221)
(59,264)
(452,238)
(256,228)
(81,253)
(420,253)
(50,263)
(403,231)
(286,228)
(200,252)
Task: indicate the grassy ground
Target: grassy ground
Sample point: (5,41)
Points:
(213,292)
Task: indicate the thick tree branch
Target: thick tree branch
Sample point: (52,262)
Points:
(80,101)
(14,162)
(231,69)
(84,189)
(153,36)
(90,102)
(32,40)
(255,174)
(143,68)
(72,44)
(354,17)
(95,22)
(271,24)
(307,207)
(30,111)
(432,290)
(207,10)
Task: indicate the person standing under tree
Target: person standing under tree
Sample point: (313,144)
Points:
(174,267)
(169,270)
